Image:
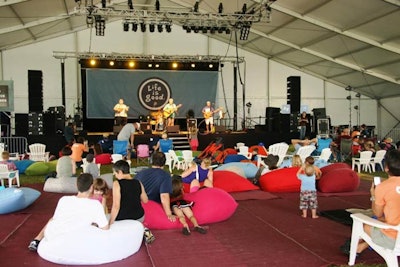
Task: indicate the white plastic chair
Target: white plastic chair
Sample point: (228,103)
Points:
(168,161)
(378,159)
(238,145)
(389,255)
(177,162)
(305,151)
(116,157)
(10,175)
(38,152)
(278,149)
(244,150)
(187,156)
(325,154)
(363,162)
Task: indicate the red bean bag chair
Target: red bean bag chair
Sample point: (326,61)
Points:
(338,178)
(211,205)
(281,180)
(104,158)
(229,182)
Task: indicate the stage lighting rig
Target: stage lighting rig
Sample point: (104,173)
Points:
(204,21)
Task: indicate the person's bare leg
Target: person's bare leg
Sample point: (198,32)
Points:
(314,214)
(304,213)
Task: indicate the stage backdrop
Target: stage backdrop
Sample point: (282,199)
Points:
(145,91)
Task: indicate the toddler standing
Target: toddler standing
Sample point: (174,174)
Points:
(308,191)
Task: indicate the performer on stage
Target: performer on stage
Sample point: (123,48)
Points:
(170,110)
(121,113)
(208,113)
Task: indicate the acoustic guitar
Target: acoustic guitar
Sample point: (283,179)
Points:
(168,112)
(209,114)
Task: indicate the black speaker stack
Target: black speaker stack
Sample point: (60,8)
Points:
(293,93)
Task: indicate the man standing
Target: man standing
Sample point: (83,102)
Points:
(121,113)
(157,183)
(208,113)
(170,112)
(127,134)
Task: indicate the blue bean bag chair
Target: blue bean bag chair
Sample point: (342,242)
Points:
(234,158)
(15,199)
(22,165)
(248,168)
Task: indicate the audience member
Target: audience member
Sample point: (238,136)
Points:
(127,134)
(106,144)
(92,167)
(385,204)
(157,183)
(66,166)
(100,191)
(73,213)
(69,132)
(5,156)
(164,144)
(308,191)
(196,174)
(297,143)
(128,195)
(78,149)
(182,208)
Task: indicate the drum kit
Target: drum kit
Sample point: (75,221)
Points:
(157,120)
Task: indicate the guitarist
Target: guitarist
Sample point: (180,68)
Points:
(170,111)
(208,114)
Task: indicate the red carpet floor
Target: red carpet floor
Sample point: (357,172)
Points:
(266,230)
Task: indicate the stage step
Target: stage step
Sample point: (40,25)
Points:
(180,141)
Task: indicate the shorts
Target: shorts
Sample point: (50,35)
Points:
(209,120)
(379,238)
(180,204)
(308,200)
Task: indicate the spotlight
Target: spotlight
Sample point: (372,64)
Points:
(188,30)
(227,31)
(111,63)
(348,97)
(348,88)
(213,29)
(220,8)
(93,62)
(358,95)
(158,5)
(152,27)
(168,27)
(143,27)
(193,65)
(211,66)
(196,29)
(248,104)
(174,65)
(100,25)
(220,30)
(131,64)
(160,27)
(196,6)
(157,65)
(134,27)
(126,26)
(150,65)
(204,29)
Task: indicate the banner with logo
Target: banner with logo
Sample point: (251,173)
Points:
(148,91)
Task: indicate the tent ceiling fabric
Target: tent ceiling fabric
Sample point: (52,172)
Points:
(354,42)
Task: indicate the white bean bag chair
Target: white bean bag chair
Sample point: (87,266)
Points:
(15,199)
(67,185)
(94,246)
(248,169)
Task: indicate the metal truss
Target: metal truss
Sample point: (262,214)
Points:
(153,58)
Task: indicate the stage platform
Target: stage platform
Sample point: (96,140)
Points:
(54,143)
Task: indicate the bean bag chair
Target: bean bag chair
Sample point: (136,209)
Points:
(67,185)
(211,205)
(22,165)
(15,199)
(37,168)
(232,182)
(261,150)
(234,158)
(336,179)
(93,246)
(281,180)
(103,159)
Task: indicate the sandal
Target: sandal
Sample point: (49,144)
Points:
(185,231)
(200,230)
